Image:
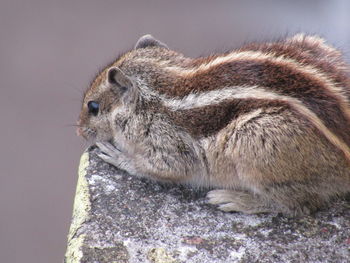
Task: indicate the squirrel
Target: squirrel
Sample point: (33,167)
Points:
(266,127)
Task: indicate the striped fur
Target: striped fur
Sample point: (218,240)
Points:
(272,119)
(278,74)
(234,94)
(301,69)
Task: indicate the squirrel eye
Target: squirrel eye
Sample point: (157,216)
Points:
(93,107)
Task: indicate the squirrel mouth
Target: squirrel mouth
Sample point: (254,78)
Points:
(85,132)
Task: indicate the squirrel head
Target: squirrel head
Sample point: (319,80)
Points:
(117,92)
(112,91)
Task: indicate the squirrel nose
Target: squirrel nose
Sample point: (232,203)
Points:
(79,131)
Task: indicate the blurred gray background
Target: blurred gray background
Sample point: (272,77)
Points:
(51,50)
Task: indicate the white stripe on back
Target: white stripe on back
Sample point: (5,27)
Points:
(215,97)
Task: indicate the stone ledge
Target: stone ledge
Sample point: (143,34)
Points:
(120,218)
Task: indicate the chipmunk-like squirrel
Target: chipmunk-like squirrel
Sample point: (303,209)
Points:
(266,125)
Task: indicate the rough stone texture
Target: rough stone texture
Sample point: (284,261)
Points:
(120,218)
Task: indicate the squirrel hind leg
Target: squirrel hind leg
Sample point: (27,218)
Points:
(238,201)
(249,203)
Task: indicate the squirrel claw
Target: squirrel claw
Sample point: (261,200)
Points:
(108,148)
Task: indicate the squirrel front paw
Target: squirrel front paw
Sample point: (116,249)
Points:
(109,153)
(114,156)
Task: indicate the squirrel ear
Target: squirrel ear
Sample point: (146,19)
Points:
(118,80)
(116,77)
(149,41)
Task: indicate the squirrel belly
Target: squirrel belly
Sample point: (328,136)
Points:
(267,125)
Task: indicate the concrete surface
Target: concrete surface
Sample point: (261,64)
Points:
(120,218)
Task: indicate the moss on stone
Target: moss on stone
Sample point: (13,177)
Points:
(81,210)
(160,255)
